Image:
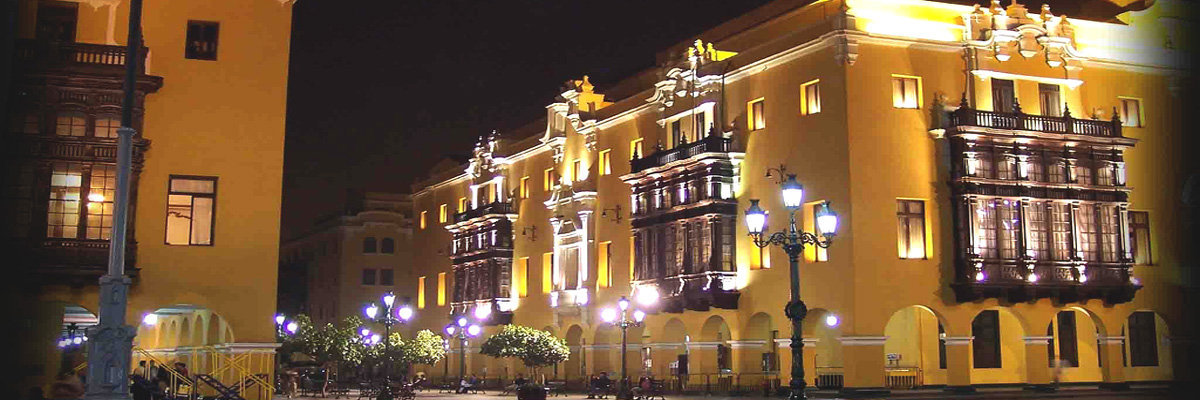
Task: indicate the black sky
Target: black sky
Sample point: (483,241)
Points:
(379,91)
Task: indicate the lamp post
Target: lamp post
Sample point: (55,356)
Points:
(621,320)
(793,240)
(387,314)
(462,330)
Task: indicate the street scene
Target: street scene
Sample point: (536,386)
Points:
(832,199)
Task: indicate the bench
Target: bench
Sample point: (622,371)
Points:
(556,388)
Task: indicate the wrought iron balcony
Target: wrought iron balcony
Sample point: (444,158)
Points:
(1065,124)
(51,55)
(501,208)
(710,144)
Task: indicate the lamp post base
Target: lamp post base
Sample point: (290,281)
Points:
(797,394)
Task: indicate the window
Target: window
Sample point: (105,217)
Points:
(442,213)
(1143,339)
(522,276)
(107,125)
(423,215)
(201,40)
(906,91)
(1060,230)
(191,204)
(62,216)
(701,126)
(56,20)
(547,272)
(810,97)
(577,172)
(755,115)
(102,188)
(1003,95)
(910,223)
(1049,100)
(811,253)
(524,193)
(70,123)
(1130,112)
(388,246)
(1068,343)
(986,346)
(548,179)
(368,276)
(605,162)
(421,292)
(27,123)
(462,204)
(676,132)
(387,277)
(369,245)
(1038,244)
(635,149)
(603,268)
(1089,236)
(441,294)
(1139,237)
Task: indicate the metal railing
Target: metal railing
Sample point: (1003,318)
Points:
(485,209)
(1065,124)
(903,377)
(710,143)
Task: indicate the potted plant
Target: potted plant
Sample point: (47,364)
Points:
(535,348)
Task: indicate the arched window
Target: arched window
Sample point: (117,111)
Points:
(986,346)
(369,245)
(388,246)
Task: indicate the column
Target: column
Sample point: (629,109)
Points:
(785,361)
(703,357)
(1112,370)
(863,360)
(958,364)
(1038,374)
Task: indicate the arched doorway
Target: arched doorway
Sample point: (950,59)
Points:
(712,351)
(1074,344)
(670,355)
(1147,352)
(824,326)
(604,349)
(575,363)
(998,347)
(915,351)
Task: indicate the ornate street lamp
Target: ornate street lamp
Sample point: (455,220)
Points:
(793,240)
(462,329)
(386,314)
(620,320)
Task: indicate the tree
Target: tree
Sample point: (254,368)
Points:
(535,348)
(331,345)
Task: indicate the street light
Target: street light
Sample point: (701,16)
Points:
(793,240)
(620,319)
(461,329)
(389,316)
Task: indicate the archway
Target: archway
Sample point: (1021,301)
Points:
(604,349)
(670,355)
(712,352)
(914,345)
(827,354)
(756,352)
(998,347)
(1147,351)
(575,363)
(1075,345)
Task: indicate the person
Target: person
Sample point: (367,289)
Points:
(642,388)
(604,384)
(466,384)
(182,370)
(162,377)
(141,369)
(67,386)
(520,380)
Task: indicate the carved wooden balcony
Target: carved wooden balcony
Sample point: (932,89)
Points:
(75,262)
(80,57)
(1061,281)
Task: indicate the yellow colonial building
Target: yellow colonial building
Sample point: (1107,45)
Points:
(207,173)
(1006,179)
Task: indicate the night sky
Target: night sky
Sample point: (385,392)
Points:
(379,91)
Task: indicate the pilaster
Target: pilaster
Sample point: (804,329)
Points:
(958,364)
(863,360)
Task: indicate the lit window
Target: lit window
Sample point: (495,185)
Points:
(66,182)
(604,273)
(910,220)
(70,123)
(423,215)
(420,292)
(605,162)
(1131,112)
(524,193)
(368,276)
(107,125)
(442,213)
(522,276)
(1139,237)
(441,294)
(201,40)
(1050,100)
(577,172)
(906,91)
(102,189)
(190,205)
(548,178)
(755,115)
(814,253)
(810,97)
(1004,96)
(635,149)
(462,204)
(547,272)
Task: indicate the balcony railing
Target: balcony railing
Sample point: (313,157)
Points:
(68,260)
(1066,124)
(61,55)
(490,208)
(710,144)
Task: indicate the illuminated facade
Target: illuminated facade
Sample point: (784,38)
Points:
(1005,179)
(346,261)
(207,175)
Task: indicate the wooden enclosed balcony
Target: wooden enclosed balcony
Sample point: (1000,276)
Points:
(1063,282)
(70,261)
(83,57)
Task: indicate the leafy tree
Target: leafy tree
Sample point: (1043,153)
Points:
(329,344)
(535,348)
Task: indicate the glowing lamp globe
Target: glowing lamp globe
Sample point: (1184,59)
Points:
(474,330)
(623,303)
(365,332)
(389,299)
(375,338)
(756,218)
(827,220)
(405,313)
(292,327)
(450,329)
(793,193)
(150,319)
(462,321)
(608,315)
(639,315)
(832,320)
(279,319)
(483,311)
(371,311)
